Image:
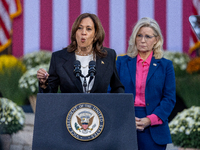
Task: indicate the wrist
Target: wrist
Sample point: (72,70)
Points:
(43,85)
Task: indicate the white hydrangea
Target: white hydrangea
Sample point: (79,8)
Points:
(180,60)
(3,119)
(187,131)
(12,116)
(29,79)
(181,129)
(186,121)
(34,59)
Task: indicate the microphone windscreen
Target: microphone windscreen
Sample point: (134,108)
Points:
(77,63)
(92,63)
(77,68)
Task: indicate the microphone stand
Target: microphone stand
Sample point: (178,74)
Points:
(84,84)
(84,81)
(78,74)
(91,72)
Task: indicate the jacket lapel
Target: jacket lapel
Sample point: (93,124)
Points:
(68,66)
(152,68)
(102,65)
(132,68)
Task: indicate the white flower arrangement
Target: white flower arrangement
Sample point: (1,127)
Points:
(180,60)
(34,59)
(29,81)
(185,128)
(12,117)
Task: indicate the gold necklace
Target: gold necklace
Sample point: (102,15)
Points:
(84,66)
(78,53)
(91,58)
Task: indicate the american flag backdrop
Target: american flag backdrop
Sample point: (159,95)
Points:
(195,11)
(9,9)
(46,24)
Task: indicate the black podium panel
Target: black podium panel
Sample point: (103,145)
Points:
(51,133)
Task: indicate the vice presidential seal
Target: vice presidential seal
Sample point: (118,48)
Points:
(85,121)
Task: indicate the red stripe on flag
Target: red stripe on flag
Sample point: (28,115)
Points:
(194,10)
(131,18)
(194,38)
(103,14)
(186,9)
(18,34)
(161,18)
(74,12)
(5,30)
(46,25)
(5,5)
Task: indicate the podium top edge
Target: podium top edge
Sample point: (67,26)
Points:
(84,94)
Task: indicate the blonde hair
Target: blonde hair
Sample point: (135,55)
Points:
(158,47)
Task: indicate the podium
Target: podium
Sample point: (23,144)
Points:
(61,122)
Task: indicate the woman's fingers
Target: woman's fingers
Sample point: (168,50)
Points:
(139,128)
(142,123)
(42,75)
(137,119)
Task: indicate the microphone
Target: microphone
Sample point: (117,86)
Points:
(77,68)
(92,70)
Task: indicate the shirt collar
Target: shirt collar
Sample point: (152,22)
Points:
(148,60)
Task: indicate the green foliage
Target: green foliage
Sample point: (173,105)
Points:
(187,85)
(12,117)
(11,69)
(9,86)
(185,128)
(188,88)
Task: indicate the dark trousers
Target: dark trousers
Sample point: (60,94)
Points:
(145,141)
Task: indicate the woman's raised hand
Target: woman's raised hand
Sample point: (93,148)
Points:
(42,76)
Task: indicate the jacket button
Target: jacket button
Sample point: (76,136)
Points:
(147,104)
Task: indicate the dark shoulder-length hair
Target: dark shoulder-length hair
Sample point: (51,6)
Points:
(99,34)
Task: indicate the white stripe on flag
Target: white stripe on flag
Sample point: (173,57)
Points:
(145,8)
(60,23)
(12,7)
(31,26)
(5,17)
(89,6)
(118,26)
(174,25)
(3,39)
(196,4)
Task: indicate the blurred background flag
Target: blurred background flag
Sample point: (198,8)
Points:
(9,9)
(195,11)
(46,24)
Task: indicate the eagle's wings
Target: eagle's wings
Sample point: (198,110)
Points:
(90,121)
(79,120)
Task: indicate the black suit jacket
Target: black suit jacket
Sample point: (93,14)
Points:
(61,73)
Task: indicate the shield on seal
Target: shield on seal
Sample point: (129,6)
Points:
(84,126)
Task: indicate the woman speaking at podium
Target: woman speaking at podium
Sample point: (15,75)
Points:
(151,79)
(85,66)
